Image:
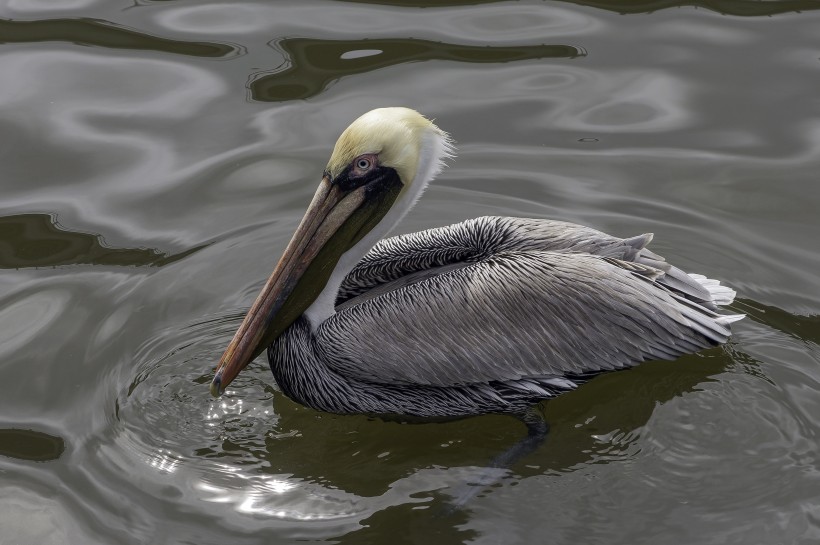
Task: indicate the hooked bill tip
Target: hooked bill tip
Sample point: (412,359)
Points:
(216,385)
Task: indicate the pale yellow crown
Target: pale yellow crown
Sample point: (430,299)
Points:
(396,135)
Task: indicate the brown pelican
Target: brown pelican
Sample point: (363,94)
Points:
(491,315)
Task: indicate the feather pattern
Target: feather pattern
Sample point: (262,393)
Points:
(493,315)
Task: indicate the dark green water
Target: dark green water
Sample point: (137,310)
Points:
(156,156)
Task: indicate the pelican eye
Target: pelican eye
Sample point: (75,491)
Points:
(363,164)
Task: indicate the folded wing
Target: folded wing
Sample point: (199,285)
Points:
(508,299)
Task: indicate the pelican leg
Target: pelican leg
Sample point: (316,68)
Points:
(537,430)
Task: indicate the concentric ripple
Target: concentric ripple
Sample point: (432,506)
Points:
(166,420)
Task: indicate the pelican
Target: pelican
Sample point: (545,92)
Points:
(492,315)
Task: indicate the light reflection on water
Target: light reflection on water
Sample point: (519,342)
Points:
(148,190)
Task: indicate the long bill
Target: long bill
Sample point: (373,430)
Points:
(335,220)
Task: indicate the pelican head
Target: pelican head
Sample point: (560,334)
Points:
(379,167)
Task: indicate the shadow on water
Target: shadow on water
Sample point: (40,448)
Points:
(31,445)
(314,64)
(804,328)
(415,525)
(38,240)
(99,33)
(611,406)
(744,8)
(597,424)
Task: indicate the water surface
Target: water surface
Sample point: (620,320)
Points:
(157,156)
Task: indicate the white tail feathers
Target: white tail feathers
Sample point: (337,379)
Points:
(729,318)
(721,295)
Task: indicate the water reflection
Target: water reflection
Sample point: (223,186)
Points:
(746,8)
(804,328)
(38,240)
(32,445)
(276,496)
(313,64)
(104,34)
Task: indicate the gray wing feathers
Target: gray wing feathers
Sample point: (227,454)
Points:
(518,300)
(677,280)
(511,317)
(397,257)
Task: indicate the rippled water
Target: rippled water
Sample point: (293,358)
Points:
(156,157)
